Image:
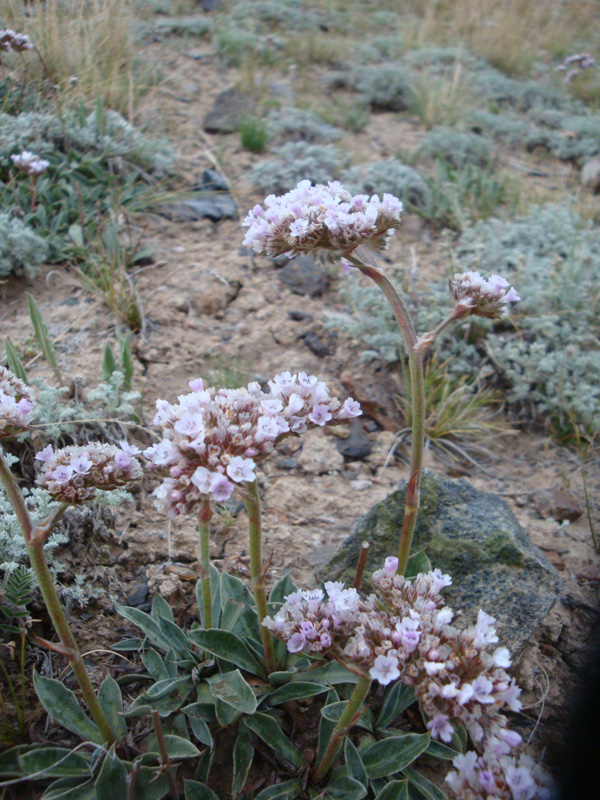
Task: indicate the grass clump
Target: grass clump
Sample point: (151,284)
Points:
(442,100)
(296,161)
(458,148)
(254,134)
(92,41)
(352,116)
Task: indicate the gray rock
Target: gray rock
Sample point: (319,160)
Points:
(316,345)
(206,205)
(474,537)
(357,444)
(304,276)
(210,5)
(590,175)
(213,181)
(227,111)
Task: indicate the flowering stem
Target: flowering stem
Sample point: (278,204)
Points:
(362,259)
(34,540)
(350,715)
(252,503)
(205,517)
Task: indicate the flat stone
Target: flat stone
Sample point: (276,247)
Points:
(139,597)
(228,109)
(206,205)
(287,463)
(357,445)
(213,181)
(304,276)
(474,537)
(316,345)
(319,454)
(215,297)
(210,5)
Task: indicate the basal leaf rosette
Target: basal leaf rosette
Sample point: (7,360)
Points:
(16,404)
(213,438)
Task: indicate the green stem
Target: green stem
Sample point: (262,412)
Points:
(205,517)
(34,540)
(363,260)
(69,646)
(252,503)
(350,715)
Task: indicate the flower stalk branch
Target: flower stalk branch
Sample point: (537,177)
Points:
(252,503)
(205,517)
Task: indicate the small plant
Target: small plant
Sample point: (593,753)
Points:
(254,134)
(352,115)
(15,596)
(442,100)
(458,148)
(294,159)
(390,176)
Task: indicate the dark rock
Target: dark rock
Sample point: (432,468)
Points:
(357,444)
(210,5)
(227,111)
(139,596)
(559,504)
(304,276)
(300,316)
(287,463)
(210,205)
(280,261)
(316,345)
(474,537)
(70,301)
(213,181)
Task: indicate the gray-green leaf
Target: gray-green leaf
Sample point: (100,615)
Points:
(63,707)
(394,754)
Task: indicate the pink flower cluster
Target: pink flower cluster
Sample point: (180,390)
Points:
(496,775)
(14,42)
(16,403)
(325,219)
(30,164)
(213,438)
(483,298)
(73,474)
(403,632)
(573,65)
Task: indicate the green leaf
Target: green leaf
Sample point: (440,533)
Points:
(243,753)
(345,788)
(201,731)
(160,608)
(230,614)
(14,362)
(427,788)
(111,782)
(332,673)
(288,790)
(392,755)
(394,790)
(145,623)
(226,714)
(281,590)
(203,766)
(354,765)
(325,726)
(111,700)
(155,665)
(172,694)
(397,698)
(41,334)
(168,686)
(53,762)
(71,789)
(174,636)
(233,588)
(439,750)
(230,687)
(228,646)
(63,707)
(150,784)
(265,727)
(294,691)
(127,363)
(333,711)
(418,562)
(75,234)
(109,365)
(194,790)
(177,746)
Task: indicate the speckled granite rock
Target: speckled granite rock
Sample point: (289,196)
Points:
(473,536)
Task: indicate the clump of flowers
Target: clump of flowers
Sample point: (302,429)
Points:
(10,41)
(403,632)
(213,438)
(16,403)
(325,219)
(574,64)
(74,474)
(30,164)
(473,294)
